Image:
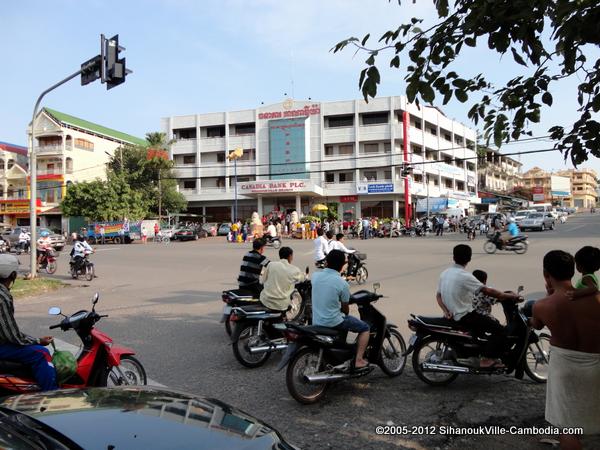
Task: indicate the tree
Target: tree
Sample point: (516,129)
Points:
(548,38)
(107,200)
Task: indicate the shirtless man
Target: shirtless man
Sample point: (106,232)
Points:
(573,390)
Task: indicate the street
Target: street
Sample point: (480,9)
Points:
(164,301)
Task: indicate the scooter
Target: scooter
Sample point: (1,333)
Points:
(517,244)
(442,349)
(318,356)
(100,362)
(233,298)
(48,261)
(86,269)
(360,269)
(274,242)
(259,331)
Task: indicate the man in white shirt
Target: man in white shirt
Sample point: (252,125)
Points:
(80,249)
(455,293)
(322,246)
(279,279)
(271,230)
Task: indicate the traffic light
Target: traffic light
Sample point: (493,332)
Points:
(114,68)
(406,170)
(91,70)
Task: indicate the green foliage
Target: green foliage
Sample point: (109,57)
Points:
(546,37)
(332,212)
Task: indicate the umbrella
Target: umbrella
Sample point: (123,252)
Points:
(320,207)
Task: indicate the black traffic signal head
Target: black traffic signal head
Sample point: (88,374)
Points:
(115,70)
(90,70)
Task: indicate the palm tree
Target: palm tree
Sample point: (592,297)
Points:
(159,141)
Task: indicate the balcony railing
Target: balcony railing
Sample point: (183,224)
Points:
(49,149)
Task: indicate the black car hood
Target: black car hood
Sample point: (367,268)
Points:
(146,418)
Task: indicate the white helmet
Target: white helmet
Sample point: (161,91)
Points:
(8,265)
(511,219)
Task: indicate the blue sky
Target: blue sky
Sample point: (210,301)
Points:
(215,55)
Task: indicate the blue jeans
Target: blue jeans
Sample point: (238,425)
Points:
(37,357)
(353,324)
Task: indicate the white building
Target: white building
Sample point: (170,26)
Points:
(298,153)
(69,149)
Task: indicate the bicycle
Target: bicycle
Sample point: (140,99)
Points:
(159,239)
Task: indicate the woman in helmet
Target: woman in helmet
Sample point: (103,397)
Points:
(43,244)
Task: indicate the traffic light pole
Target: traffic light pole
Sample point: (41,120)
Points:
(33,175)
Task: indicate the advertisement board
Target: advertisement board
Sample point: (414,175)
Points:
(560,186)
(538,194)
(289,143)
(374,188)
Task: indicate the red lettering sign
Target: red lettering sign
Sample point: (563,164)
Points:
(348,198)
(312,110)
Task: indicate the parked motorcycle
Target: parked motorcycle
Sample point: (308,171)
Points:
(85,269)
(517,244)
(259,331)
(48,261)
(100,362)
(318,356)
(233,298)
(442,349)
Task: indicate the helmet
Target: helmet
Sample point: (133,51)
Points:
(8,265)
(511,219)
(44,234)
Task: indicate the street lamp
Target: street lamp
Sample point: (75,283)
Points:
(234,155)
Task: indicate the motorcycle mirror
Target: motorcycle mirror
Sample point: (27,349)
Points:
(95,298)
(54,311)
(376,286)
(520,289)
(307,270)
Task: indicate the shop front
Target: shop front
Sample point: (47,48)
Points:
(16,212)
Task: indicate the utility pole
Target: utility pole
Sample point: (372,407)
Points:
(110,70)
(234,155)
(159,199)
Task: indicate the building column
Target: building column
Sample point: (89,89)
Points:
(396,209)
(260,206)
(299,205)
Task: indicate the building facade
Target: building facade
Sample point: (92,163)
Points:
(298,153)
(584,188)
(498,173)
(68,150)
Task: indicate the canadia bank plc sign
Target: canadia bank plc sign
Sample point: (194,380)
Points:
(313,110)
(266,187)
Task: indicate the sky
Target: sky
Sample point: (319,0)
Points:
(191,57)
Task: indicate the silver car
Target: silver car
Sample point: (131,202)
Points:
(538,221)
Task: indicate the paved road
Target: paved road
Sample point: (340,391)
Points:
(164,301)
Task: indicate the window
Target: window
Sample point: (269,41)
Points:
(329,150)
(416,149)
(375,118)
(448,160)
(387,174)
(220,157)
(346,149)
(84,144)
(245,128)
(50,169)
(370,175)
(460,186)
(458,139)
(189,184)
(11,163)
(329,177)
(446,134)
(387,147)
(248,155)
(346,177)
(189,159)
(416,122)
(448,183)
(431,128)
(431,154)
(371,148)
(184,133)
(69,164)
(340,121)
(215,132)
(418,178)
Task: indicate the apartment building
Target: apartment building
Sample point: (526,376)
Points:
(584,188)
(498,173)
(546,187)
(69,150)
(298,153)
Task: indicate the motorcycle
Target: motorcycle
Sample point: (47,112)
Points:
(86,268)
(360,270)
(233,298)
(100,362)
(470,231)
(517,244)
(274,242)
(259,331)
(4,246)
(442,349)
(317,356)
(48,261)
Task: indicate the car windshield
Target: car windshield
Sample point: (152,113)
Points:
(535,216)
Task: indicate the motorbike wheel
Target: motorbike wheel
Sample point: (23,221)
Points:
(134,371)
(304,363)
(537,359)
(296,306)
(413,233)
(276,244)
(165,240)
(392,358)
(489,247)
(228,327)
(424,351)
(51,267)
(361,275)
(73,273)
(243,338)
(520,248)
(89,272)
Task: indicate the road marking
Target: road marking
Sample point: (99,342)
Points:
(107,249)
(62,345)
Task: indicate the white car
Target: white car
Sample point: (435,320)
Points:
(520,215)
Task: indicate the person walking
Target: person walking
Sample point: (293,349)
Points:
(102,235)
(440,226)
(144,235)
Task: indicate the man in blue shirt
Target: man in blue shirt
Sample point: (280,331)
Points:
(512,231)
(330,297)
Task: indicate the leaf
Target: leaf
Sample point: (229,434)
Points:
(518,57)
(370,60)
(460,83)
(547,98)
(498,132)
(395,62)
(411,91)
(365,39)
(363,73)
(427,92)
(471,42)
(461,95)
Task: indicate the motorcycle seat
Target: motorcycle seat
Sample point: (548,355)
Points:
(259,309)
(441,322)
(15,368)
(239,293)
(316,329)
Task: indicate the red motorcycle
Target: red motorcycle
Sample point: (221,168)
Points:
(48,261)
(100,363)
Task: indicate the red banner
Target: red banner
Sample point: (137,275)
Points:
(348,198)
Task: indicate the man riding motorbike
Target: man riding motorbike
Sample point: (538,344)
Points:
(15,345)
(279,279)
(43,245)
(24,240)
(338,244)
(455,293)
(251,268)
(330,297)
(80,250)
(322,246)
(512,231)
